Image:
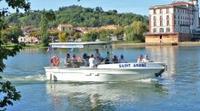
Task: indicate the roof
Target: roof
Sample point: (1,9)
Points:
(77,44)
(181,3)
(174,4)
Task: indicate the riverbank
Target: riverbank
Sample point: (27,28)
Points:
(137,44)
(128,44)
(26,46)
(189,43)
(123,44)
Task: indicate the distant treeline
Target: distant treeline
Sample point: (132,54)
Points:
(76,16)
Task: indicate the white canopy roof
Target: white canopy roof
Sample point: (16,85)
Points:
(76,44)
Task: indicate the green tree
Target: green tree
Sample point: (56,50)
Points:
(91,36)
(44,30)
(63,36)
(7,90)
(44,25)
(135,31)
(104,35)
(77,35)
(11,34)
(119,33)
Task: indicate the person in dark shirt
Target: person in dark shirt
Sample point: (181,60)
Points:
(115,59)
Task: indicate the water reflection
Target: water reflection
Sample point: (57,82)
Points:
(103,96)
(166,54)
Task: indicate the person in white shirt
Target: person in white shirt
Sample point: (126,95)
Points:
(91,61)
(146,58)
(140,59)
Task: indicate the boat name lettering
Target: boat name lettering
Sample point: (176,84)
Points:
(132,65)
(124,65)
(139,65)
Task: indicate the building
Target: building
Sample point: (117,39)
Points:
(172,23)
(64,27)
(28,40)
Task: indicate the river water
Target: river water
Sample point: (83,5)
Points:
(177,90)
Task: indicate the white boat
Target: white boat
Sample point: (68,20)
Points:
(103,72)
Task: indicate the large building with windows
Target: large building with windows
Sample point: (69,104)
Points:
(172,23)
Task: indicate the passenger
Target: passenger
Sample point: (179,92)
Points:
(107,58)
(140,59)
(91,61)
(108,55)
(97,56)
(107,61)
(79,59)
(146,59)
(85,59)
(74,61)
(115,59)
(122,60)
(68,60)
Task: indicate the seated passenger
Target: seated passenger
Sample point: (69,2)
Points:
(140,59)
(146,59)
(68,60)
(79,59)
(85,59)
(91,61)
(107,61)
(97,56)
(115,59)
(122,60)
(107,58)
(74,61)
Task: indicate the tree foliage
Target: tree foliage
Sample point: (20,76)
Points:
(7,90)
(91,36)
(77,16)
(11,34)
(103,35)
(63,36)
(135,31)
(44,30)
(44,26)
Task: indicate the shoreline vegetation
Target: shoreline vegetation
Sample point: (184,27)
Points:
(120,44)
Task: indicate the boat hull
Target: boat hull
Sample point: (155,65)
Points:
(103,73)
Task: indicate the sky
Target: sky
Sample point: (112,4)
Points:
(133,6)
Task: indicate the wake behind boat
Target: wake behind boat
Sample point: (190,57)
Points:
(103,71)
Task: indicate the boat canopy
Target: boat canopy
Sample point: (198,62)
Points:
(77,45)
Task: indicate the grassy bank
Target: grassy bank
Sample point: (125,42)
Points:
(26,46)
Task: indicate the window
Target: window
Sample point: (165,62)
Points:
(154,20)
(167,20)
(167,10)
(154,11)
(168,30)
(161,21)
(161,30)
(160,11)
(154,30)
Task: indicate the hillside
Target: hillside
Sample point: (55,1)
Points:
(77,16)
